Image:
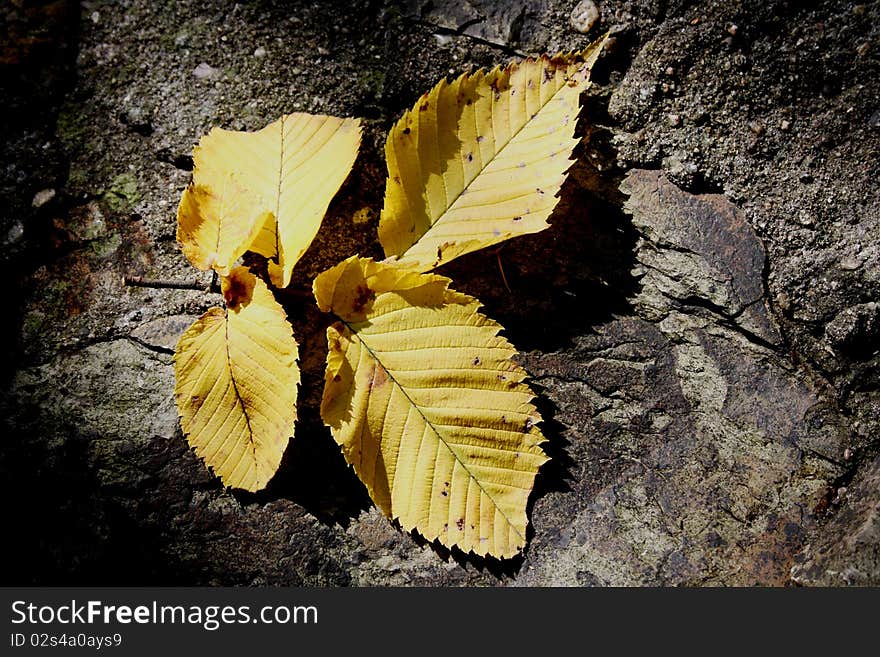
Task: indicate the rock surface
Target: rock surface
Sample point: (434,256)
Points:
(700,322)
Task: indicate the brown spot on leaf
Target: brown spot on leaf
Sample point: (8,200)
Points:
(378,378)
(363,297)
(406,131)
(460,524)
(236,292)
(477,360)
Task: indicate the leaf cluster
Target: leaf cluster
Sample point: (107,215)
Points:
(421,390)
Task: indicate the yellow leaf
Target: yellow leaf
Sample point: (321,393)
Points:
(215,226)
(237,381)
(480,160)
(423,396)
(294,167)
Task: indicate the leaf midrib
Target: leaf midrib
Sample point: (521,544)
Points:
(238,396)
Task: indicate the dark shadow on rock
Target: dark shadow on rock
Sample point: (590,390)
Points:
(69,528)
(556,473)
(39,48)
(547,288)
(499,568)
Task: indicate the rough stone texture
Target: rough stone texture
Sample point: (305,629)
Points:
(498,23)
(847,551)
(705,345)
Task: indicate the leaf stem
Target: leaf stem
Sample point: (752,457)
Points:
(501,269)
(137,281)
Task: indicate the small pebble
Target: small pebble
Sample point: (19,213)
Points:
(96,17)
(757,127)
(16,232)
(674,120)
(805,177)
(42,197)
(806,219)
(203,71)
(783,302)
(584,16)
(670,70)
(847,454)
(850,263)
(260,52)
(732,29)
(785,125)
(323,51)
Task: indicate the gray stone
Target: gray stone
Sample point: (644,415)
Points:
(702,249)
(204,70)
(584,16)
(42,197)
